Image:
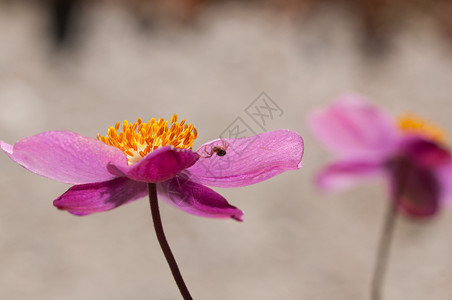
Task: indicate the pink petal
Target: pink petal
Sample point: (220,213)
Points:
(248,160)
(7,148)
(342,175)
(65,156)
(101,196)
(159,165)
(444,177)
(354,128)
(196,199)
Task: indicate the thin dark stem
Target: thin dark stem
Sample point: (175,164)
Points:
(383,251)
(164,243)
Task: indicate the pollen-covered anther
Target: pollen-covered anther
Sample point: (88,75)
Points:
(138,139)
(413,124)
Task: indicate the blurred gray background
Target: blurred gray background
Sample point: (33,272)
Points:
(207,66)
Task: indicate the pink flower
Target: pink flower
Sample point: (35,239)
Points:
(114,170)
(369,143)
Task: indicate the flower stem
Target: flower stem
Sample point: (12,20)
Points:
(383,251)
(164,243)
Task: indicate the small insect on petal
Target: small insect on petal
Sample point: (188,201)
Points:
(219,150)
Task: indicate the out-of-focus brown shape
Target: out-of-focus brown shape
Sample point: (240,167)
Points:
(63,15)
(161,10)
(377,20)
(444,15)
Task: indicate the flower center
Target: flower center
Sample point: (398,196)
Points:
(413,124)
(138,139)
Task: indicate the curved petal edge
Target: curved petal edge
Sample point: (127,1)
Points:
(65,156)
(196,199)
(248,160)
(91,198)
(158,166)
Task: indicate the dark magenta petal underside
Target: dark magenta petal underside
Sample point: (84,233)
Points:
(416,188)
(425,152)
(102,196)
(158,166)
(196,199)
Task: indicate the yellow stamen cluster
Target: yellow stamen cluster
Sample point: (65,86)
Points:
(138,139)
(413,124)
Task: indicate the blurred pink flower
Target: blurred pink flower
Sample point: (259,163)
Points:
(367,142)
(116,169)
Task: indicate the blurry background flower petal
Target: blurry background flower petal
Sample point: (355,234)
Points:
(410,155)
(342,175)
(377,20)
(352,128)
